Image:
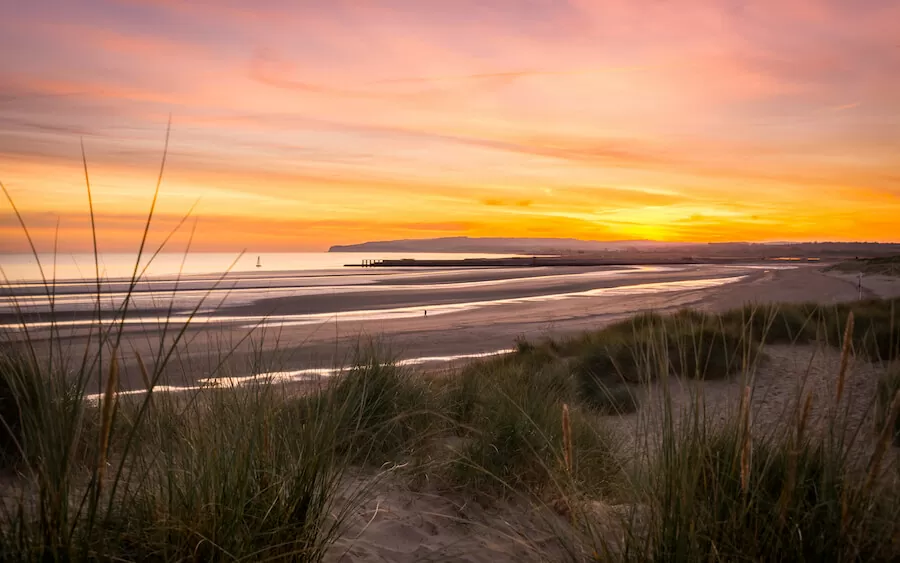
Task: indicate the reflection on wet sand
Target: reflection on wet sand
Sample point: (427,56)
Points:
(250,321)
(292,376)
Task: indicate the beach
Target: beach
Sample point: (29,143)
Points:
(310,322)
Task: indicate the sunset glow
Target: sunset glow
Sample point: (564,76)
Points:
(298,125)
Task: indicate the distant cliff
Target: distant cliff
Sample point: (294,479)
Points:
(569,246)
(498,245)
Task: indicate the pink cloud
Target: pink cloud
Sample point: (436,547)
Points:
(708,100)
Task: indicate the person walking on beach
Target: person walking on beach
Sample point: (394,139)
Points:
(426,312)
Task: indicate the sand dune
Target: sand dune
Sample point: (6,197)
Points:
(401,523)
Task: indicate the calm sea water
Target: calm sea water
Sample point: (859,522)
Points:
(19,268)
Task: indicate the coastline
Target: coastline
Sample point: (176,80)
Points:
(305,294)
(333,339)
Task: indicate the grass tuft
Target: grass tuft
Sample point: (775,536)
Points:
(514,437)
(888,387)
(382,409)
(19,395)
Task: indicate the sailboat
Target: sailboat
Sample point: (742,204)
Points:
(258,262)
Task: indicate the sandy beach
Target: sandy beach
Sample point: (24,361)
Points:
(316,320)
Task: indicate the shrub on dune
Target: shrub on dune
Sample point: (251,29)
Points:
(692,346)
(383,410)
(513,437)
(773,324)
(876,327)
(608,397)
(705,352)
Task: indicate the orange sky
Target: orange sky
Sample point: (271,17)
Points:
(297,125)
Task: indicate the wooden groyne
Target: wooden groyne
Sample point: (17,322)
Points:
(519,262)
(554,261)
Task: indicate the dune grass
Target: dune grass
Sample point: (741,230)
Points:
(611,364)
(875,331)
(717,493)
(208,476)
(882,265)
(237,482)
(216,474)
(703,489)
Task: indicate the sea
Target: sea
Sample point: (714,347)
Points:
(24,268)
(222,287)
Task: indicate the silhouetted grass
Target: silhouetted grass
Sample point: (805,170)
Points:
(203,478)
(19,389)
(888,387)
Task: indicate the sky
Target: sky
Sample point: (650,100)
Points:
(300,124)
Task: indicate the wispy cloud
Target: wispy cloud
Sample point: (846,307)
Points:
(845,107)
(319,122)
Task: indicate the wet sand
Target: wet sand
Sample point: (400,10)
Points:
(526,309)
